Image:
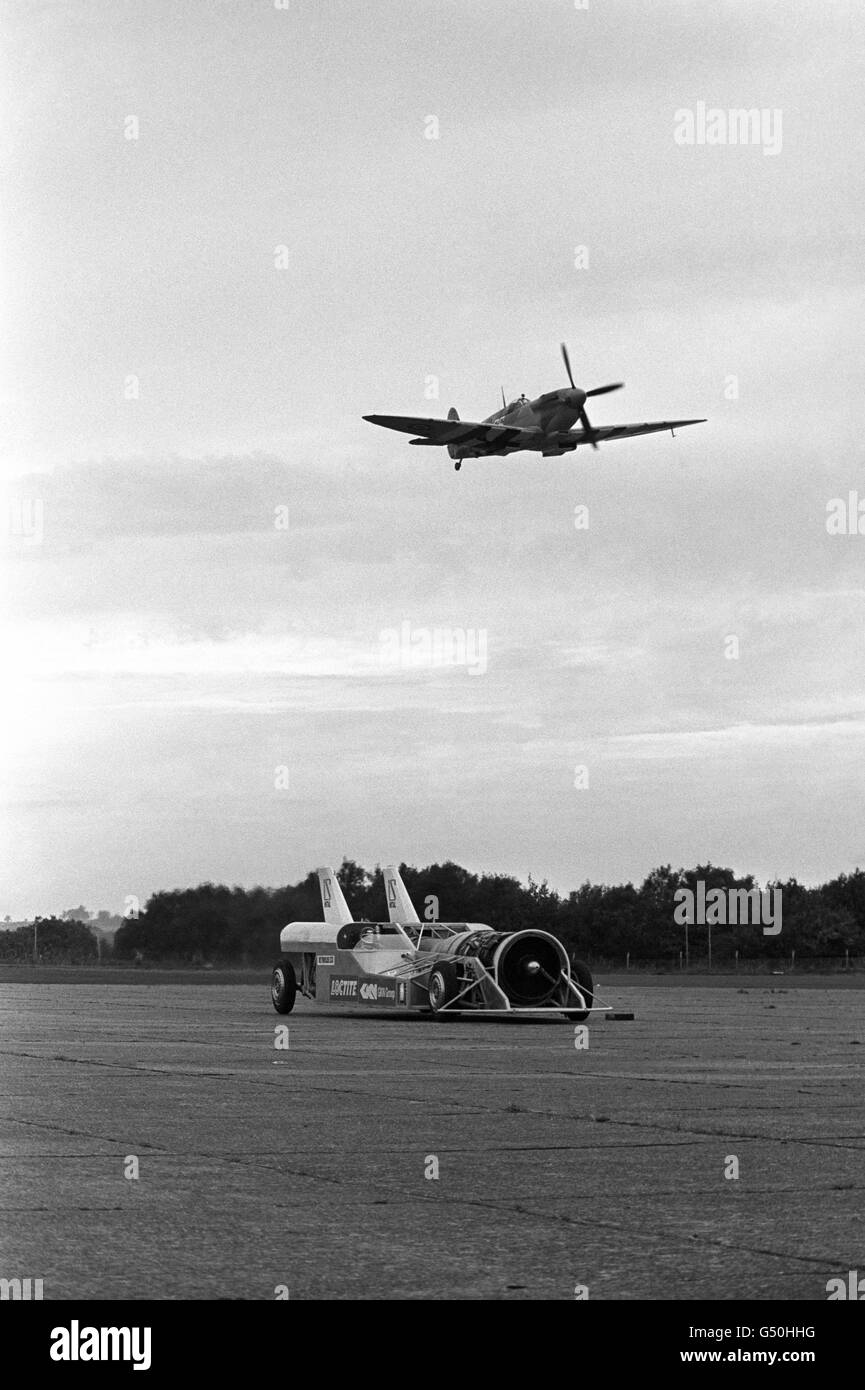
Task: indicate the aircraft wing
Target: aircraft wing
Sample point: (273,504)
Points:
(500,439)
(571,438)
(468,432)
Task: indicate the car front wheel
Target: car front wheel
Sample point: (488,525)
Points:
(283,987)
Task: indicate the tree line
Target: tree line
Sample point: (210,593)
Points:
(216,924)
(600,922)
(50,939)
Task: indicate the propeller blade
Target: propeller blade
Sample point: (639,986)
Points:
(590,433)
(567,362)
(504,402)
(602,390)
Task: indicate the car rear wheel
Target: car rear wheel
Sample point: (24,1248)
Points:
(582,978)
(443,985)
(283,987)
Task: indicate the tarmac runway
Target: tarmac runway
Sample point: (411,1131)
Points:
(312,1169)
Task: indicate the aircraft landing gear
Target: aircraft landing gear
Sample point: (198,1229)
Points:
(457,465)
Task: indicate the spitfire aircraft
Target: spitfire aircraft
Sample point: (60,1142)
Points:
(544,425)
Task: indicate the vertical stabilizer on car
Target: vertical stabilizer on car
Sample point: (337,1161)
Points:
(336,909)
(399,904)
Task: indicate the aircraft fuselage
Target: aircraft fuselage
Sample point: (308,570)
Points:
(552,411)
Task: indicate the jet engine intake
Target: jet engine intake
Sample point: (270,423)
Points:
(526,965)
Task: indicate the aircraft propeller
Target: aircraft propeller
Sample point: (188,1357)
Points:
(598,391)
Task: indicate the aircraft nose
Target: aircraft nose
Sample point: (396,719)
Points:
(575,398)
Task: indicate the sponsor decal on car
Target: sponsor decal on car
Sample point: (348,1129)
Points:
(379,991)
(343,986)
(324,960)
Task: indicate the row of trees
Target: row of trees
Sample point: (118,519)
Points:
(219,924)
(50,939)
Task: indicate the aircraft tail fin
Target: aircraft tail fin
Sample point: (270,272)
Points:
(453,450)
(399,905)
(336,909)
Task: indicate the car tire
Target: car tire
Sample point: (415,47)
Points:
(442,984)
(283,987)
(582,977)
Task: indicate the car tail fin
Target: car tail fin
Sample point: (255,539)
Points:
(399,905)
(336,909)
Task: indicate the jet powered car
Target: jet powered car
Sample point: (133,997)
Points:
(446,968)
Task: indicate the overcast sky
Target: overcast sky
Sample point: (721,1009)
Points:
(200,304)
